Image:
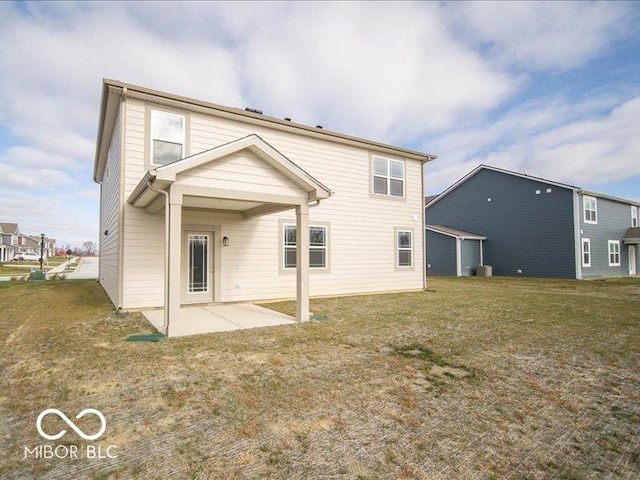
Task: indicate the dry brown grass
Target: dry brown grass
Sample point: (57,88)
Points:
(474,378)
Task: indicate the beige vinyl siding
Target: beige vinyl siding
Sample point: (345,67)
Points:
(143,234)
(109,219)
(362,233)
(361,236)
(240,170)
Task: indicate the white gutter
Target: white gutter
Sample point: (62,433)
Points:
(165,325)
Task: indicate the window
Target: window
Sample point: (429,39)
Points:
(405,248)
(634,216)
(167,137)
(614,253)
(586,252)
(590,209)
(317,246)
(388,177)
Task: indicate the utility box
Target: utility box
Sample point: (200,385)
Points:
(37,275)
(484,271)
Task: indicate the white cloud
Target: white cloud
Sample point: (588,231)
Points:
(572,143)
(394,72)
(31,178)
(29,157)
(349,66)
(544,35)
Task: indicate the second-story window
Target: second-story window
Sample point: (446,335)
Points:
(634,216)
(167,137)
(590,210)
(388,177)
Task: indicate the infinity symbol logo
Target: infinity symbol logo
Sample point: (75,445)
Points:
(84,412)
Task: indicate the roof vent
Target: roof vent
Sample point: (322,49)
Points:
(287,119)
(253,110)
(318,126)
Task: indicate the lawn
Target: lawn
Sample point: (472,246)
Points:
(474,378)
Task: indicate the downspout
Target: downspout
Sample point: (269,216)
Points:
(165,325)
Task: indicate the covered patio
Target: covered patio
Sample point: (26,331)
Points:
(247,178)
(198,319)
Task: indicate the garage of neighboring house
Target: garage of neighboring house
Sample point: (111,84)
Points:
(452,251)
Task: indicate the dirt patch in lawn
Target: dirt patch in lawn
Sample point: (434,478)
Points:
(475,378)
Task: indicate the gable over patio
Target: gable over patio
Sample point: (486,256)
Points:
(248,177)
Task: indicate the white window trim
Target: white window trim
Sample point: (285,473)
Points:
(586,241)
(388,176)
(398,249)
(584,209)
(311,247)
(154,113)
(610,244)
(634,216)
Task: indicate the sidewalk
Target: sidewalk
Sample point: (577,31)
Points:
(58,269)
(62,267)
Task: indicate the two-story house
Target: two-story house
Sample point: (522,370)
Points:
(9,234)
(524,225)
(202,203)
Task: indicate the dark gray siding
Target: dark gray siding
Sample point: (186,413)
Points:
(470,256)
(525,231)
(614,218)
(441,254)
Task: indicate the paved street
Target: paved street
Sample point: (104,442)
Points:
(88,268)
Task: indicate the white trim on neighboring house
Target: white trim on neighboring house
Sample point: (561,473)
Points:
(458,257)
(593,218)
(634,216)
(612,254)
(587,242)
(576,235)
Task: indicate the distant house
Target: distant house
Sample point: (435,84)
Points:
(28,244)
(9,234)
(530,226)
(202,203)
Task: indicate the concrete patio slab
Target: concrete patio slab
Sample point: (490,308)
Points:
(193,320)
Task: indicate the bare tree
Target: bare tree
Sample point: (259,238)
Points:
(89,248)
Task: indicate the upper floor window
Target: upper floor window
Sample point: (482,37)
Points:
(388,177)
(317,246)
(590,210)
(167,137)
(634,216)
(614,253)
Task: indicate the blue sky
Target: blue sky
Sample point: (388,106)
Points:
(548,88)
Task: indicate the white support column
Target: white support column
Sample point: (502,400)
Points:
(173,296)
(458,257)
(302,262)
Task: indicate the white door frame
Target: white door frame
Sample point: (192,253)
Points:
(198,296)
(633,252)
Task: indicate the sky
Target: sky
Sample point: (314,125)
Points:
(550,89)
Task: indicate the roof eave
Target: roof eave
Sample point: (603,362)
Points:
(255,118)
(108,110)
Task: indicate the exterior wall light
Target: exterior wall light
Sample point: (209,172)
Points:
(225,241)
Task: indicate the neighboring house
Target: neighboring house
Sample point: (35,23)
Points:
(49,246)
(9,233)
(530,226)
(28,244)
(225,192)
